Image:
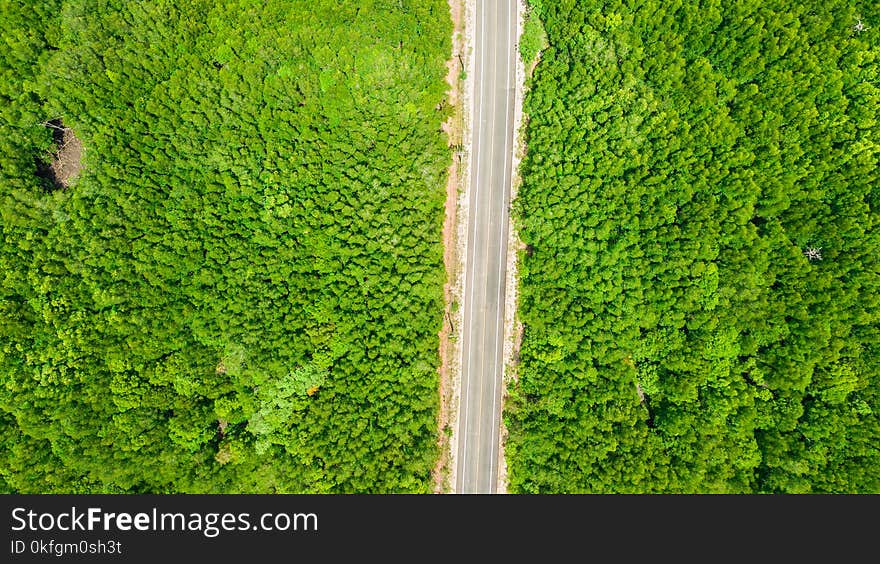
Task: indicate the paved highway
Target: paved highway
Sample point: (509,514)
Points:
(485,273)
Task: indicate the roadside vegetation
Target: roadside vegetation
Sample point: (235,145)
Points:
(700,287)
(237,287)
(533,39)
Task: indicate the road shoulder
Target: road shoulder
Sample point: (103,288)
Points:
(512,326)
(458,128)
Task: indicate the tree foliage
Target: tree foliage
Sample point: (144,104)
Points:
(682,158)
(242,290)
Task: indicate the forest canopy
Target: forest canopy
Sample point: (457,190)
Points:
(241,289)
(701,279)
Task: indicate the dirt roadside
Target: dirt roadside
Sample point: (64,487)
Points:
(457,128)
(513,328)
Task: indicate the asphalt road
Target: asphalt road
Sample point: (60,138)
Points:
(485,274)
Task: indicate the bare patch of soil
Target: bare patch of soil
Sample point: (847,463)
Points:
(531,70)
(454,133)
(65,162)
(454,66)
(446,350)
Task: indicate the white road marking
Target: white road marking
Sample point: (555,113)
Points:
(476,186)
(501,262)
(471,466)
(491,130)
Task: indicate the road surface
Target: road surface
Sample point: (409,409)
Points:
(485,273)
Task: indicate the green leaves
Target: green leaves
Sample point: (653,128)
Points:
(249,268)
(681,159)
(280,399)
(534,38)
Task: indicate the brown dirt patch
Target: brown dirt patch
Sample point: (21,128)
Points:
(65,163)
(453,131)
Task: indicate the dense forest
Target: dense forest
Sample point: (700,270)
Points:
(700,286)
(241,289)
